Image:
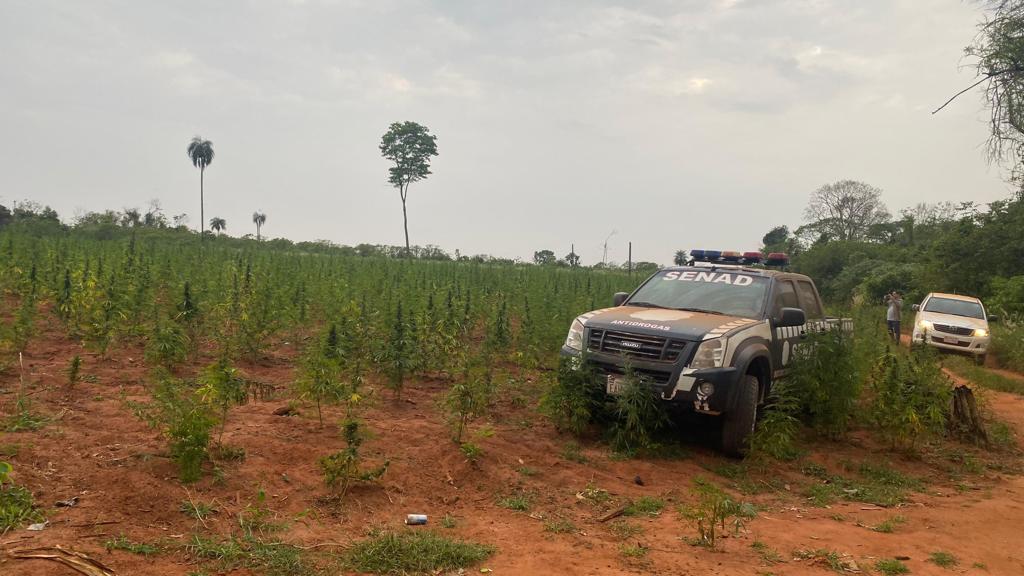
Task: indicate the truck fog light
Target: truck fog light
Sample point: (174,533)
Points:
(706,388)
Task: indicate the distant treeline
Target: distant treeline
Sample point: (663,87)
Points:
(959,248)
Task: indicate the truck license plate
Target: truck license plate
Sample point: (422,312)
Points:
(616,384)
(951,340)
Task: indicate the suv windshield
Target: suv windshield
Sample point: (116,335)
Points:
(955,307)
(715,291)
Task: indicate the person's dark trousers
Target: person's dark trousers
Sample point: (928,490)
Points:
(894,330)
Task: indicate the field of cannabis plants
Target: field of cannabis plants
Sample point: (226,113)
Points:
(171,406)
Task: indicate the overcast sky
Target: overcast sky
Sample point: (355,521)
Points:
(678,124)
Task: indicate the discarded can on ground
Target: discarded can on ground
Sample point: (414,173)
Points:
(415,519)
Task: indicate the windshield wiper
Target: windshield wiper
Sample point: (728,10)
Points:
(644,304)
(716,312)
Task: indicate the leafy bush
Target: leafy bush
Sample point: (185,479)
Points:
(221,387)
(16,504)
(1008,297)
(638,413)
(824,381)
(23,418)
(1008,346)
(320,378)
(910,396)
(712,513)
(468,398)
(184,419)
(74,369)
(573,400)
(167,345)
(344,467)
(777,429)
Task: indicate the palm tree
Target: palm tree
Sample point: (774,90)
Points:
(258,219)
(201,153)
(218,225)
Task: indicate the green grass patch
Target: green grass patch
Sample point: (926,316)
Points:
(829,558)
(448,521)
(624,530)
(271,558)
(519,502)
(943,559)
(23,419)
(766,553)
(198,510)
(982,377)
(645,506)
(889,525)
(560,526)
(16,507)
(122,542)
(9,450)
(526,471)
(891,567)
(873,484)
(414,552)
(574,453)
(740,478)
(634,551)
(594,495)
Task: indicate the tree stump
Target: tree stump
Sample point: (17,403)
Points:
(965,420)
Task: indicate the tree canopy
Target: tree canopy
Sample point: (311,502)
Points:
(845,210)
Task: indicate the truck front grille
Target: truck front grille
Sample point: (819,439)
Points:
(655,348)
(655,377)
(958,330)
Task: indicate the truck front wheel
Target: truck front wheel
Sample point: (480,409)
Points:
(739,422)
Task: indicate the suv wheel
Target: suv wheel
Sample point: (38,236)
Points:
(739,422)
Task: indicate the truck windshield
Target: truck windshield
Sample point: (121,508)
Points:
(955,307)
(715,291)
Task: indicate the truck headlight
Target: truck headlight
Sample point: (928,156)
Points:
(981,332)
(926,324)
(709,354)
(575,338)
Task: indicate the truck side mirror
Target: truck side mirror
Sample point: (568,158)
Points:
(791,317)
(619,298)
(915,307)
(993,318)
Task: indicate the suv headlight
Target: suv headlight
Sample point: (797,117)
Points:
(575,338)
(709,354)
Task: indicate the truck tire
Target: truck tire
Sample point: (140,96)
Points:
(979,359)
(738,424)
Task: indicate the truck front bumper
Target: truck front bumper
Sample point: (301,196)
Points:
(709,391)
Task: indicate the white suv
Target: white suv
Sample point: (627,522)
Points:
(952,322)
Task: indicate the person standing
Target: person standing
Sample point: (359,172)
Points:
(893,314)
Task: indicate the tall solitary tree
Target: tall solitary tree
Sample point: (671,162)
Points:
(201,153)
(259,219)
(845,210)
(410,146)
(218,225)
